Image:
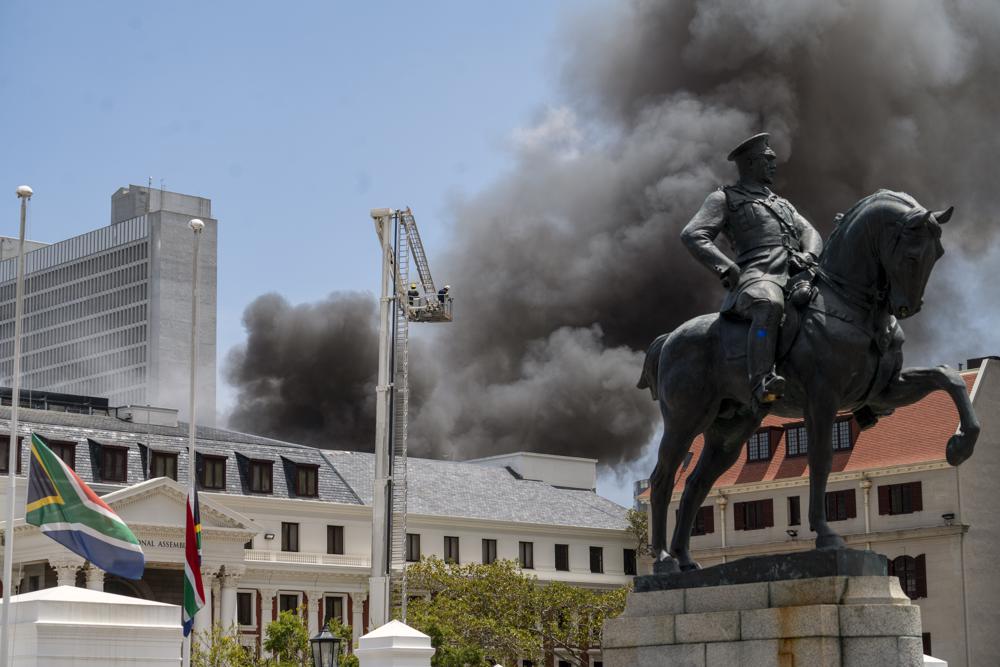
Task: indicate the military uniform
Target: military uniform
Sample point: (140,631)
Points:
(769,239)
(762,228)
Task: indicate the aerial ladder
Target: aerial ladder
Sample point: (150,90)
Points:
(401,302)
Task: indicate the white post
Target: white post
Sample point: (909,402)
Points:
(24,194)
(196,226)
(378,607)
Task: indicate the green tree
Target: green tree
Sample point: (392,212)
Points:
(287,639)
(480,614)
(572,618)
(638,528)
(219,648)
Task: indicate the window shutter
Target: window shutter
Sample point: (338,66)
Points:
(96,459)
(709,519)
(916,497)
(775,439)
(768,509)
(855,431)
(852,506)
(921,575)
(738,515)
(884,504)
(199,468)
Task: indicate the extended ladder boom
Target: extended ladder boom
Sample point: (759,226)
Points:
(419,258)
(399,305)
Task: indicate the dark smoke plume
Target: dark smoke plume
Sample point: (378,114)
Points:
(570,265)
(307,373)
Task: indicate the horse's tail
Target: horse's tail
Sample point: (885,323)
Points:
(650,368)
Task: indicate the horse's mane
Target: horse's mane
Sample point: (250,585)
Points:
(881,207)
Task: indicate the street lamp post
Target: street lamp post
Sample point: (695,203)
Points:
(24,194)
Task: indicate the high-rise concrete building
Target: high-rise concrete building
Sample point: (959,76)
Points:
(108,313)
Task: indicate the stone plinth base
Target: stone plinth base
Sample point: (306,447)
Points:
(831,621)
(67,626)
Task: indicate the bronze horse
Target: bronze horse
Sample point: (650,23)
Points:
(840,352)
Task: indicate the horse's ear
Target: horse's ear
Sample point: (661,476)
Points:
(918,221)
(944,216)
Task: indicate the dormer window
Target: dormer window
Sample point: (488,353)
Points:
(261,476)
(761,445)
(796,440)
(843,437)
(213,472)
(306,481)
(5,455)
(65,450)
(114,462)
(844,434)
(163,464)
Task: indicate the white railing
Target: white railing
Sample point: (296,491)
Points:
(305,558)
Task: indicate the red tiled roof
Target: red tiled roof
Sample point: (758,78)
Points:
(914,434)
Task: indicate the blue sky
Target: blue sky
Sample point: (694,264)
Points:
(294,118)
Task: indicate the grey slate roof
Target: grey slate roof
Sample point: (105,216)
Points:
(436,488)
(237,448)
(473,491)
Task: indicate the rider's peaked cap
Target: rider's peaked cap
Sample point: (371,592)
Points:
(753,146)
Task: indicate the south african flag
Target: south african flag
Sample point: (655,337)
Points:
(66,509)
(194,590)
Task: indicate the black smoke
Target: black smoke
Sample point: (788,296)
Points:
(307,373)
(567,267)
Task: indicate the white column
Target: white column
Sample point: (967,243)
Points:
(312,614)
(866,485)
(722,501)
(66,571)
(357,616)
(266,605)
(229,579)
(95,578)
(203,619)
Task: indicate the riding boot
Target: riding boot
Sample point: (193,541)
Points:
(765,321)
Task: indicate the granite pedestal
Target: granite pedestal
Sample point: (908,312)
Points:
(820,609)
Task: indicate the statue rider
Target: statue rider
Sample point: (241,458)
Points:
(771,242)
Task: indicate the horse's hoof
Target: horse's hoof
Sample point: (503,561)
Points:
(665,564)
(830,542)
(959,449)
(690,565)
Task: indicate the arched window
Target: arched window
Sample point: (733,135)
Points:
(912,574)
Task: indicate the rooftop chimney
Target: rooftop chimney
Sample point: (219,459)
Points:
(976,362)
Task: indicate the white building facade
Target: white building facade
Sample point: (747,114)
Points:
(289,527)
(108,313)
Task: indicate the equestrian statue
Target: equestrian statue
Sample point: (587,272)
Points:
(805,330)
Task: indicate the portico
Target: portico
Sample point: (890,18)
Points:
(154,510)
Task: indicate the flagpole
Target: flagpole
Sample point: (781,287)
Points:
(197,226)
(13,448)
